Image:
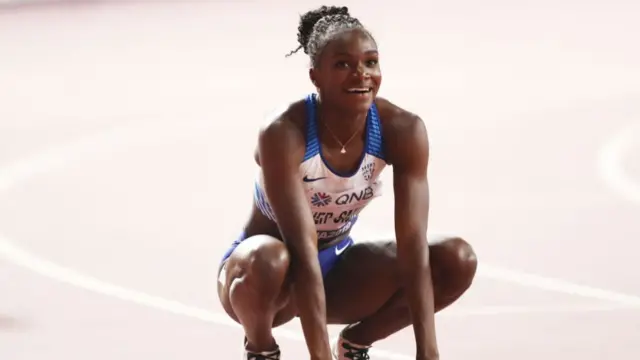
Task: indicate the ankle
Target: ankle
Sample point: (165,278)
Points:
(261,347)
(354,336)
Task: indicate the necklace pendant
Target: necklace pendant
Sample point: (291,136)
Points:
(343,151)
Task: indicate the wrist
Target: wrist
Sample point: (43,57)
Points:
(428,357)
(322,352)
(322,356)
(431,354)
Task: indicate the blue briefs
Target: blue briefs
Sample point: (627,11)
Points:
(328,257)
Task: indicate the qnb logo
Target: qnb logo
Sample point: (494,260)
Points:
(320,199)
(350,197)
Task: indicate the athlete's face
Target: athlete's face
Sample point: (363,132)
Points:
(347,73)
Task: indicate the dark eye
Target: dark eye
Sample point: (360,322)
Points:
(372,62)
(342,64)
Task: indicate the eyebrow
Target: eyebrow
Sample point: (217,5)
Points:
(343,53)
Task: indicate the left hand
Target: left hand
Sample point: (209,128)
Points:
(428,357)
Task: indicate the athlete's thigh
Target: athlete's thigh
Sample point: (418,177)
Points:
(362,281)
(366,277)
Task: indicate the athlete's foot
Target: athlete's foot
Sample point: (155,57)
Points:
(266,355)
(262,355)
(343,349)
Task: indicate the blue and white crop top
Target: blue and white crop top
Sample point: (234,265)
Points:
(335,198)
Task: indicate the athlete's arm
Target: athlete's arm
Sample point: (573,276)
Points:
(281,147)
(409,147)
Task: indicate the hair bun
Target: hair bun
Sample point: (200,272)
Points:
(310,18)
(331,10)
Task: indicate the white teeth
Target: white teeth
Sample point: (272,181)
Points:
(359,90)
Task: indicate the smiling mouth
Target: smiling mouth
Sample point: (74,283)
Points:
(362,90)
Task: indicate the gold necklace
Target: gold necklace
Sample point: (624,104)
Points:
(343,150)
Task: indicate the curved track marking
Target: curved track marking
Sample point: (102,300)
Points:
(120,138)
(610,164)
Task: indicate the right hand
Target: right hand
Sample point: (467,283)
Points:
(326,355)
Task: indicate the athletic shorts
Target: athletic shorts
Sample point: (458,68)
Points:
(328,257)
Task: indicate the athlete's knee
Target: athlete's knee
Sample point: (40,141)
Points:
(465,257)
(262,267)
(457,262)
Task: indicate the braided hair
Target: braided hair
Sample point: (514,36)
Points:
(317,27)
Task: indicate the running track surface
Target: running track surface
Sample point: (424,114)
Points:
(126,169)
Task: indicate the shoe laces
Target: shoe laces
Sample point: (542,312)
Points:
(355,353)
(273,355)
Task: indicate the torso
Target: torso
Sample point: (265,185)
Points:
(335,198)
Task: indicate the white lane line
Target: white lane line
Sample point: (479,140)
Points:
(610,162)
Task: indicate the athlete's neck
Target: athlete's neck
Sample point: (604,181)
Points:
(343,125)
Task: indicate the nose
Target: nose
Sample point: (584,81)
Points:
(361,72)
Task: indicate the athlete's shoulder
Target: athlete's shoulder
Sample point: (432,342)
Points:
(401,128)
(284,129)
(396,117)
(291,115)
